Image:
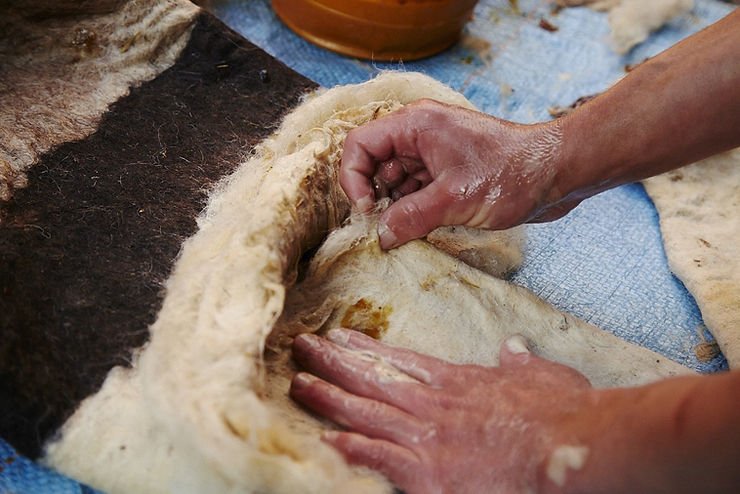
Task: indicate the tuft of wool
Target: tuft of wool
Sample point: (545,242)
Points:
(632,21)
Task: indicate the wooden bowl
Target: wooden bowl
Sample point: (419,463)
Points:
(378,29)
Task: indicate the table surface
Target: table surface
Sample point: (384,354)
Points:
(605,261)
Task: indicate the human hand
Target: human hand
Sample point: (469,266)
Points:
(434,427)
(446,165)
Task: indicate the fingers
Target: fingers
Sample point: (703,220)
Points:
(397,463)
(395,171)
(380,188)
(414,215)
(369,417)
(365,147)
(398,177)
(358,373)
(423,176)
(424,368)
(515,352)
(409,186)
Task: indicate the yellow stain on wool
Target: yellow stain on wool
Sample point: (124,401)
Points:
(367,317)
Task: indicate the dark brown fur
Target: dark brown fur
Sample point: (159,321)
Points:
(85,248)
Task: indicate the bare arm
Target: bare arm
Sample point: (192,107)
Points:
(679,435)
(674,109)
(445,165)
(529,425)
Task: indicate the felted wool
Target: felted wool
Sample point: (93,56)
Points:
(86,247)
(194,388)
(632,21)
(594,4)
(433,303)
(699,207)
(63,63)
(204,406)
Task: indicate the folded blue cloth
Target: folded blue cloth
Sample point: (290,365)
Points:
(19,475)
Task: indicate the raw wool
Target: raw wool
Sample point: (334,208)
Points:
(632,21)
(140,462)
(104,219)
(110,45)
(197,390)
(699,207)
(204,407)
(475,247)
(435,304)
(598,5)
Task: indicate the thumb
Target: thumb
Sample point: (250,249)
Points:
(515,351)
(413,216)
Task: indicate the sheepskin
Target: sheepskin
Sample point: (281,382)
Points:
(699,207)
(63,63)
(204,406)
(632,21)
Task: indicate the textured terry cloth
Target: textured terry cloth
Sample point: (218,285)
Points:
(604,262)
(18,475)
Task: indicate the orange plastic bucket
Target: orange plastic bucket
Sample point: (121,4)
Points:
(378,29)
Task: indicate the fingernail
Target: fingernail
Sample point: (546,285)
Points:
(308,339)
(365,204)
(516,344)
(329,435)
(338,336)
(388,239)
(303,379)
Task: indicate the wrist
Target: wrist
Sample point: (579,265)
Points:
(580,449)
(659,437)
(585,160)
(540,163)
(560,184)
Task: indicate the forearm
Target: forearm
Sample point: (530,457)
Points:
(679,435)
(674,109)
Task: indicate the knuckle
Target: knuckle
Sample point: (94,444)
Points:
(427,103)
(442,401)
(375,457)
(430,432)
(429,110)
(371,410)
(414,216)
(352,137)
